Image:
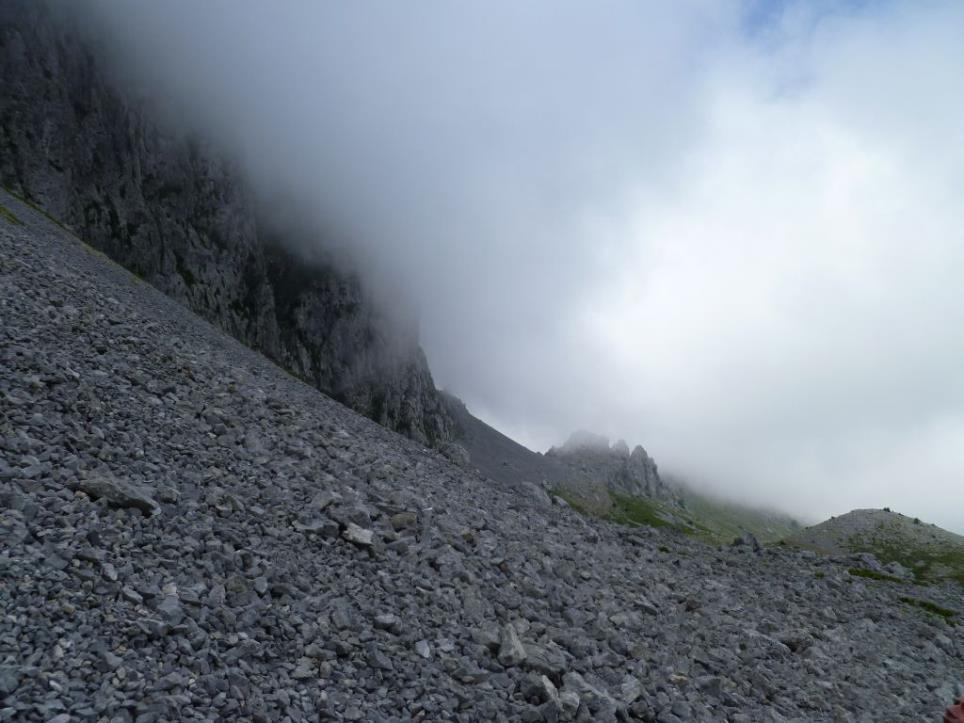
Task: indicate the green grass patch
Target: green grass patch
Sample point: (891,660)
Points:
(644,511)
(637,511)
(930,553)
(948,615)
(721,522)
(873,575)
(573,501)
(624,510)
(704,520)
(7,215)
(820,574)
(928,563)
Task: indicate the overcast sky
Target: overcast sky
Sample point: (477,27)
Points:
(730,231)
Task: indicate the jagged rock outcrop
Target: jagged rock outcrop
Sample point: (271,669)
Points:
(183,220)
(586,466)
(592,462)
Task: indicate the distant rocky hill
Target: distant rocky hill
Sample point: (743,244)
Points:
(929,551)
(182,219)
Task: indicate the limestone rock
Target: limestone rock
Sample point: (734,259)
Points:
(358,535)
(511,650)
(119,493)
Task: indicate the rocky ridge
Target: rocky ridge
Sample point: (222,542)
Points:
(584,469)
(592,463)
(189,533)
(171,211)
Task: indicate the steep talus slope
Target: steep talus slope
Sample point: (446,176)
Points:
(188,533)
(171,212)
(927,550)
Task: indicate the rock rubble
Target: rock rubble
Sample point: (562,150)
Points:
(188,533)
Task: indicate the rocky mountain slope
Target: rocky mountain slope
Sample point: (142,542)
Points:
(928,551)
(183,220)
(189,533)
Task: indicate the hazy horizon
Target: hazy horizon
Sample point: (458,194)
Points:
(729,231)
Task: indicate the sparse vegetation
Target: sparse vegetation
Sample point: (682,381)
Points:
(930,553)
(873,575)
(720,522)
(928,563)
(35,207)
(571,500)
(626,511)
(710,521)
(8,215)
(932,608)
(639,511)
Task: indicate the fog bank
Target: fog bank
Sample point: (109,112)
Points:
(729,231)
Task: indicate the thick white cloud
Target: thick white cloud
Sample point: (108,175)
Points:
(737,243)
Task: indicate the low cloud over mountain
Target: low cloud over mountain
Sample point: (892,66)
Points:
(728,229)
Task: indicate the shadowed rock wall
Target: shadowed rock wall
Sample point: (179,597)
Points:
(182,219)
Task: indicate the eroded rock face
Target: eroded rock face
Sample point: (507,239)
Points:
(183,220)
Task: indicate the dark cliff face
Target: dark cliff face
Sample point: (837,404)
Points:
(184,221)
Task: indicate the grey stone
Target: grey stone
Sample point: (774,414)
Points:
(390,622)
(511,650)
(131,595)
(170,610)
(358,536)
(110,660)
(119,493)
(404,520)
(748,540)
(9,679)
(305,670)
(320,526)
(109,572)
(545,659)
